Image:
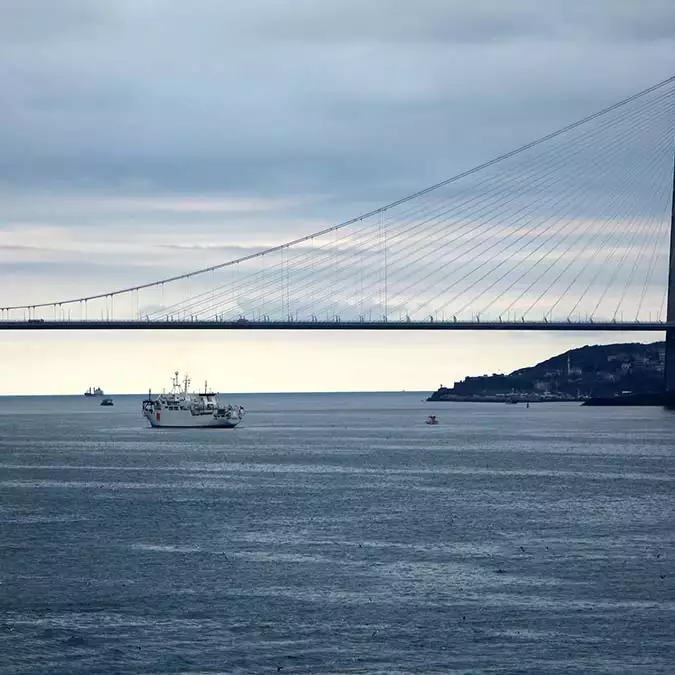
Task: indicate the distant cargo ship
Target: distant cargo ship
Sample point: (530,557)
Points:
(96,391)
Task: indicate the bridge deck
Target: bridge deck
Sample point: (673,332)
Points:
(629,326)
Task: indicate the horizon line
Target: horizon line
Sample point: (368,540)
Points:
(244,393)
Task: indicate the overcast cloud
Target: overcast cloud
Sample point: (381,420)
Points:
(268,97)
(332,107)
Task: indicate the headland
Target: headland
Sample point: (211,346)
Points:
(617,374)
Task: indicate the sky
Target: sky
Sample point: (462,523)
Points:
(146,138)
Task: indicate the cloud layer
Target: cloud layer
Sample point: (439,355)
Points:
(146,96)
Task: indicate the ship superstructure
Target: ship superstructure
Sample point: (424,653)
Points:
(182,408)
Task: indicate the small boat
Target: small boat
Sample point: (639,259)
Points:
(107,401)
(95,391)
(181,408)
(432,419)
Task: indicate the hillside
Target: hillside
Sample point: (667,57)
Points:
(591,371)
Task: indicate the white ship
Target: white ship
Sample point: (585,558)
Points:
(180,408)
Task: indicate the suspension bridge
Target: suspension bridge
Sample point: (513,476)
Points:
(573,231)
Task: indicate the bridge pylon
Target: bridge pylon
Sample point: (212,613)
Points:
(670,315)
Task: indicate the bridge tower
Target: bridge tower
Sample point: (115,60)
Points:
(670,313)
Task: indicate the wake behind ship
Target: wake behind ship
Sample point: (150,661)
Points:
(181,408)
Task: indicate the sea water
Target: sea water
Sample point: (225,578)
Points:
(337,533)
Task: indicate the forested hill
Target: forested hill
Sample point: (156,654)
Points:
(599,370)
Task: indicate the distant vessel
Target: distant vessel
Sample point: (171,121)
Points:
(181,408)
(107,402)
(432,419)
(96,391)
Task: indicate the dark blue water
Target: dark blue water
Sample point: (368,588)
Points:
(337,534)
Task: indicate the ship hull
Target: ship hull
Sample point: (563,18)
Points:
(167,419)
